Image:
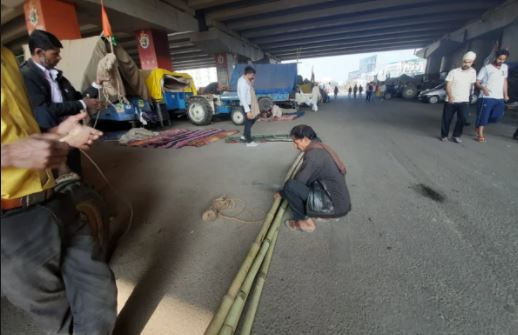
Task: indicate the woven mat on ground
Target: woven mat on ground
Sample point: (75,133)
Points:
(179,138)
(137,134)
(213,138)
(262,138)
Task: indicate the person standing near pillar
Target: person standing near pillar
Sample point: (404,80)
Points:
(355,90)
(493,85)
(459,85)
(248,99)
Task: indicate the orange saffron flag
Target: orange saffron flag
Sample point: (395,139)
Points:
(107,29)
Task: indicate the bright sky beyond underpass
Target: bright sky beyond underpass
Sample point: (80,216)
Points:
(336,68)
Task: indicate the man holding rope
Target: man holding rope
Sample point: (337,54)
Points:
(51,266)
(51,95)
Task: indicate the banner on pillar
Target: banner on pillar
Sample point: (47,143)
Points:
(33,16)
(222,69)
(146,50)
(41,14)
(221,60)
(153,49)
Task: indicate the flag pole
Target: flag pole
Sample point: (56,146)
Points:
(106,26)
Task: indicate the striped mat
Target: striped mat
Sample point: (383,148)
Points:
(179,138)
(261,138)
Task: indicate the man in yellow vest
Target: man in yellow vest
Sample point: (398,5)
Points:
(51,266)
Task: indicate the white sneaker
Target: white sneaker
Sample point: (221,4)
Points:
(251,144)
(457,140)
(242,138)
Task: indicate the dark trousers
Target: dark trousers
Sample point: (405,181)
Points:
(248,128)
(368,96)
(74,161)
(449,111)
(515,136)
(51,268)
(296,193)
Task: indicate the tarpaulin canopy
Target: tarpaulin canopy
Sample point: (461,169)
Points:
(81,57)
(160,80)
(269,78)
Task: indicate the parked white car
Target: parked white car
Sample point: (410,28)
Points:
(438,94)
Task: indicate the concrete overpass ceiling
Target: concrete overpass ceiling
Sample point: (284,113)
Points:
(348,51)
(288,27)
(284,29)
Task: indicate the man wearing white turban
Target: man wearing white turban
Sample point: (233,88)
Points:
(459,85)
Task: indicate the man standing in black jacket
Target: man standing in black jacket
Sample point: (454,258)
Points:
(51,95)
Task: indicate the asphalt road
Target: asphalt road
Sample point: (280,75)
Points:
(430,246)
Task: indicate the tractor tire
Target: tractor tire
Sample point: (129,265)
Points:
(199,111)
(265,104)
(237,116)
(433,99)
(93,210)
(409,92)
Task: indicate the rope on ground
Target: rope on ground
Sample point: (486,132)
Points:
(221,204)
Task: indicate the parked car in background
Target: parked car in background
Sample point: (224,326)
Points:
(438,94)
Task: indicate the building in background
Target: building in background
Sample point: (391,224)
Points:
(410,68)
(353,75)
(203,77)
(368,64)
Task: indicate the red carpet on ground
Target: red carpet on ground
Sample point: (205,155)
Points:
(179,138)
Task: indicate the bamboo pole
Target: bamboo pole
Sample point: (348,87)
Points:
(291,172)
(232,319)
(229,298)
(294,167)
(234,314)
(249,318)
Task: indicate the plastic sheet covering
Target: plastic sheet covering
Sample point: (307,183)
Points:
(80,58)
(269,78)
(159,79)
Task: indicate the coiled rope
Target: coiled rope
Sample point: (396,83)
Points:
(224,203)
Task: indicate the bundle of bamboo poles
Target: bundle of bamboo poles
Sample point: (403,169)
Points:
(253,270)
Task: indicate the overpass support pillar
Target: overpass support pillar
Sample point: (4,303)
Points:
(225,63)
(55,16)
(153,49)
(433,64)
